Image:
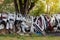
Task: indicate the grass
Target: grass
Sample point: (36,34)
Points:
(33,37)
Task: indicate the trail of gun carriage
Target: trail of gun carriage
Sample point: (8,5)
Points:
(29,19)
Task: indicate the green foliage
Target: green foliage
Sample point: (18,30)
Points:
(8,1)
(7,6)
(54,6)
(38,9)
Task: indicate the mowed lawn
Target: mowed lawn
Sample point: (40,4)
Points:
(17,37)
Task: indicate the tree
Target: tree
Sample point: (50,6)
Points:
(53,6)
(38,9)
(26,6)
(16,6)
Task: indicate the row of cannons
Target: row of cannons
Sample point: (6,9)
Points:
(12,23)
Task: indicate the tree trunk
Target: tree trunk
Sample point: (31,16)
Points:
(16,6)
(21,7)
(26,6)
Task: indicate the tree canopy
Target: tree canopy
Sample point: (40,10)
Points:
(31,7)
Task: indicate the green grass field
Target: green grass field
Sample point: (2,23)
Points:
(17,37)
